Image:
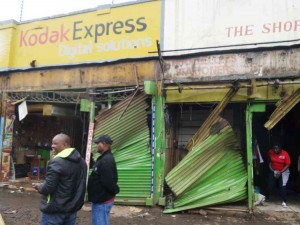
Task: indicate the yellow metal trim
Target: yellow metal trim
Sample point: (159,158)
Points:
(36,108)
(47,110)
(215,93)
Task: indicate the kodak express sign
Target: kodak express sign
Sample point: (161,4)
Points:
(109,34)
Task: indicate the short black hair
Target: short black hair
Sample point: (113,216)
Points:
(104,139)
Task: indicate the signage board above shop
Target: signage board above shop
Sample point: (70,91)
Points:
(107,34)
(214,25)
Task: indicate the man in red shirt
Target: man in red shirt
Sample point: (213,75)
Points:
(279,170)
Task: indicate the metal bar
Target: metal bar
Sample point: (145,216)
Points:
(160,147)
(229,85)
(128,103)
(283,107)
(249,156)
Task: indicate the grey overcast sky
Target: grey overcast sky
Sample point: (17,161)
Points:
(32,9)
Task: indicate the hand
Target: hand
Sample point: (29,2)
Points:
(278,174)
(35,186)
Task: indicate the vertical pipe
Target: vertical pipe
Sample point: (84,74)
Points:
(249,156)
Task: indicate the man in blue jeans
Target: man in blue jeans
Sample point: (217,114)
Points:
(103,182)
(64,187)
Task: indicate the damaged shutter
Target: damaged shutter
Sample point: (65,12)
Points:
(283,107)
(126,123)
(216,173)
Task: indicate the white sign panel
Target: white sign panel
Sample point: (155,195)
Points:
(192,26)
(22,109)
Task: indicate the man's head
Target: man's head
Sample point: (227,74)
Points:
(60,142)
(104,143)
(277,147)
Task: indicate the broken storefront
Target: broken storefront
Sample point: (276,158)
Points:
(193,110)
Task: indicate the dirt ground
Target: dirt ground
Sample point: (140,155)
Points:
(22,208)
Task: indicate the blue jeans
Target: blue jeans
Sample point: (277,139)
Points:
(58,219)
(100,213)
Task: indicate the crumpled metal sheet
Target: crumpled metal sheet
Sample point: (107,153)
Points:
(202,133)
(126,123)
(212,173)
(283,107)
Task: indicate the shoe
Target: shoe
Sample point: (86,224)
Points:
(284,205)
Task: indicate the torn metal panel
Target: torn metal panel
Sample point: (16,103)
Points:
(283,107)
(130,133)
(216,173)
(203,132)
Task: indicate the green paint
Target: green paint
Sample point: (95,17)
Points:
(84,105)
(258,108)
(92,111)
(150,87)
(160,150)
(249,116)
(109,100)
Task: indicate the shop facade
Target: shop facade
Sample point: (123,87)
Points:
(240,71)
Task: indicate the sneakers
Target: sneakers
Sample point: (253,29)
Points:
(284,205)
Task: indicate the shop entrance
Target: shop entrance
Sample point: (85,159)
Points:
(286,132)
(184,121)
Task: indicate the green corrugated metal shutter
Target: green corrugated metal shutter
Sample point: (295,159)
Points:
(212,173)
(126,123)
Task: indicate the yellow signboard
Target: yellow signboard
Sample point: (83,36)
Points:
(128,31)
(6,34)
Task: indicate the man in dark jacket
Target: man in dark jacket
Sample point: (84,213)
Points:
(103,182)
(64,187)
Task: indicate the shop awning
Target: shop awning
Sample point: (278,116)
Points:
(215,92)
(126,123)
(283,107)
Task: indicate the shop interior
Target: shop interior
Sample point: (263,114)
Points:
(287,133)
(32,136)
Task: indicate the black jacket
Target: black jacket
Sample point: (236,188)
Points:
(103,182)
(64,188)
